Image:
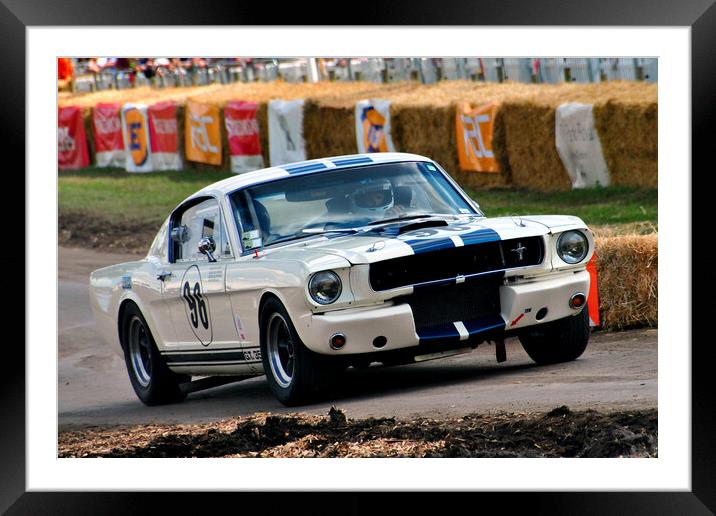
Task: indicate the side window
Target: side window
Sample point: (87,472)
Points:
(159,246)
(200,221)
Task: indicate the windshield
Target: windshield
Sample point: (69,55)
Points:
(347,198)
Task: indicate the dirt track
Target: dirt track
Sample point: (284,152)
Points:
(617,372)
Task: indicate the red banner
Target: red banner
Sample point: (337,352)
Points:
(107,127)
(108,142)
(164,136)
(71,139)
(242,130)
(163,127)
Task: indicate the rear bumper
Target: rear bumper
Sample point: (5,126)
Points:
(521,304)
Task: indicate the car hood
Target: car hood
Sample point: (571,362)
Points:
(375,244)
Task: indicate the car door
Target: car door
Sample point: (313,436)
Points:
(195,286)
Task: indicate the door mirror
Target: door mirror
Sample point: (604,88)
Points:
(207,246)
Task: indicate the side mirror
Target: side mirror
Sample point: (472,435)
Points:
(180,234)
(207,246)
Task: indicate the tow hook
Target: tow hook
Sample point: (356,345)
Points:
(500,351)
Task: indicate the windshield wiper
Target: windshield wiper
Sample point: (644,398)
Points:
(307,232)
(398,219)
(319,231)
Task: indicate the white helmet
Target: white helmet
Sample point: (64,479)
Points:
(372,198)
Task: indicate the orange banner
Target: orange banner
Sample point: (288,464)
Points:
(202,133)
(475,128)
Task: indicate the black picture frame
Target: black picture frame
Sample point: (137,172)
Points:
(700,16)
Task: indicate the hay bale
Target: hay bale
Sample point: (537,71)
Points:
(262,120)
(328,130)
(629,136)
(423,122)
(86,113)
(627,268)
(531,151)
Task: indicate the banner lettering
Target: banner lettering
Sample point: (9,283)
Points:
(72,152)
(108,141)
(242,130)
(135,129)
(202,133)
(164,136)
(475,127)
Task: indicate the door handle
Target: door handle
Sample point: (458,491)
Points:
(162,276)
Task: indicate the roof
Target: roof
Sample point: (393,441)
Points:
(306,167)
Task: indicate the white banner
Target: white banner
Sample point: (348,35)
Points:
(579,147)
(135,131)
(373,126)
(285,125)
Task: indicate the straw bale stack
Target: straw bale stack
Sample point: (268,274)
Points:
(627,268)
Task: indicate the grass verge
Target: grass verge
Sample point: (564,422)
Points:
(115,194)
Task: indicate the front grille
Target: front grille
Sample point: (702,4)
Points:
(435,305)
(456,261)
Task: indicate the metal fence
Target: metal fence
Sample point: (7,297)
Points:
(382,70)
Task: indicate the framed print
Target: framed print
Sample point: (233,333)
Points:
(280,235)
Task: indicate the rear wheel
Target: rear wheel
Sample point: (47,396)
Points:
(558,341)
(295,374)
(151,380)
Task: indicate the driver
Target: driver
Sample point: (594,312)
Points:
(375,199)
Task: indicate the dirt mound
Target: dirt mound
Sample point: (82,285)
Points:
(558,433)
(78,229)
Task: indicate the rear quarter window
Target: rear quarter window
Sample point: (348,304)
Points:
(160,244)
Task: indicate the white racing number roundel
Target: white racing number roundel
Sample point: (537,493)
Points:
(196,305)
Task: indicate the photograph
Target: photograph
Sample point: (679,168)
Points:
(357,256)
(409,253)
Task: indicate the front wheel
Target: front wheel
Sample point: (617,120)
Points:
(151,380)
(558,341)
(295,374)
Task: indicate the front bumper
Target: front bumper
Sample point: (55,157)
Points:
(522,304)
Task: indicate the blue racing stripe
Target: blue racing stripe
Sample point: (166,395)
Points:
(310,167)
(439,331)
(430,244)
(448,332)
(480,236)
(492,322)
(351,161)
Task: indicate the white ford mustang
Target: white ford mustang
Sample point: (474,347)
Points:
(303,270)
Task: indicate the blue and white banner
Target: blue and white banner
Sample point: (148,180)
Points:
(372,118)
(135,130)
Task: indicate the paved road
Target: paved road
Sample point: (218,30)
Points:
(618,370)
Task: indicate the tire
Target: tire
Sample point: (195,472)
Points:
(151,379)
(295,374)
(558,341)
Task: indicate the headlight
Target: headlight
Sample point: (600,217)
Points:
(325,287)
(572,246)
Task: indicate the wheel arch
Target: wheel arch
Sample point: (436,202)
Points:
(265,297)
(122,310)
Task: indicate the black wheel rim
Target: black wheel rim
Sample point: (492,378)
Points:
(281,350)
(140,352)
